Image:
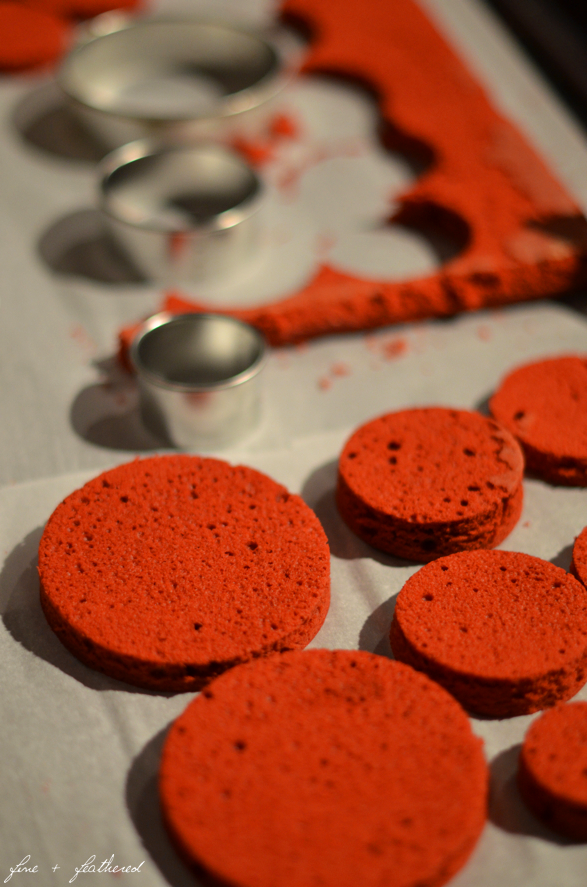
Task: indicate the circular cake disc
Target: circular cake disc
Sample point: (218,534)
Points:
(579,559)
(544,404)
(504,632)
(552,774)
(165,571)
(426,482)
(324,769)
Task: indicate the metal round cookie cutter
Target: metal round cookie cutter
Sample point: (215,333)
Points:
(173,78)
(199,378)
(181,212)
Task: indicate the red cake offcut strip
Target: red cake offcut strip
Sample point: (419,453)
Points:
(504,632)
(30,38)
(521,235)
(544,404)
(165,571)
(552,772)
(430,481)
(324,769)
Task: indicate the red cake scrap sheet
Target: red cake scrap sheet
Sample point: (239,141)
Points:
(521,235)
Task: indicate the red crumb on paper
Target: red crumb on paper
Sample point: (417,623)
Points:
(255,151)
(484,332)
(337,370)
(82,337)
(288,179)
(324,243)
(527,524)
(284,126)
(260,149)
(340,369)
(394,348)
(388,349)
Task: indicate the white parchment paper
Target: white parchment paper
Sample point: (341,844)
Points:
(79,752)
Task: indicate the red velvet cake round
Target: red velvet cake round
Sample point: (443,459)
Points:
(427,482)
(165,571)
(544,404)
(552,773)
(505,633)
(324,769)
(30,37)
(579,560)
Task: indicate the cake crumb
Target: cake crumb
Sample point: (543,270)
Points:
(255,151)
(83,338)
(394,348)
(387,348)
(324,244)
(340,369)
(284,125)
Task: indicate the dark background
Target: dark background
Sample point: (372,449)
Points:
(554,34)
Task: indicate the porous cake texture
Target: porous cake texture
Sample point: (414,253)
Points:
(552,772)
(544,404)
(165,571)
(324,769)
(504,632)
(426,482)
